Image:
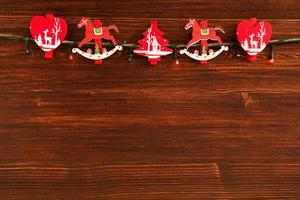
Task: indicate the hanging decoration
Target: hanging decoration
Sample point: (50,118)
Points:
(202,33)
(48,32)
(95,31)
(254,36)
(153,45)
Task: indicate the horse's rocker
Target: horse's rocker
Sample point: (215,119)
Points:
(95,31)
(202,33)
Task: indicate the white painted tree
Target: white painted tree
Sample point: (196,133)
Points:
(261,34)
(149,40)
(155,45)
(39,40)
(245,45)
(56,29)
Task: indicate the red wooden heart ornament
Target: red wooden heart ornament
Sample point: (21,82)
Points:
(48,32)
(254,36)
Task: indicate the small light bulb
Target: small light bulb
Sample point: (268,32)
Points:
(270,61)
(71,57)
(130,58)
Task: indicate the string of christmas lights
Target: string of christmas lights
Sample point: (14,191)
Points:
(173,46)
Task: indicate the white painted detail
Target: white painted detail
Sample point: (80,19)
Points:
(209,56)
(48,43)
(97,56)
(253,47)
(152,53)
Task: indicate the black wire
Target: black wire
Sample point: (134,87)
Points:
(133,45)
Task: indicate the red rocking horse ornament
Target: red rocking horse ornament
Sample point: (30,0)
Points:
(202,33)
(95,31)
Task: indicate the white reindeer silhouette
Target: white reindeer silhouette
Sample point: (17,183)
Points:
(252,42)
(47,39)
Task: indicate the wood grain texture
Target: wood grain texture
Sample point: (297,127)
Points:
(73,130)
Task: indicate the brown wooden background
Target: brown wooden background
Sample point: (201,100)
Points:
(73,130)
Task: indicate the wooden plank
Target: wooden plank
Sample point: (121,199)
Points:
(113,182)
(157,115)
(276,9)
(195,181)
(253,181)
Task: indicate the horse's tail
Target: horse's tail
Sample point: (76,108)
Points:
(219,28)
(113,27)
